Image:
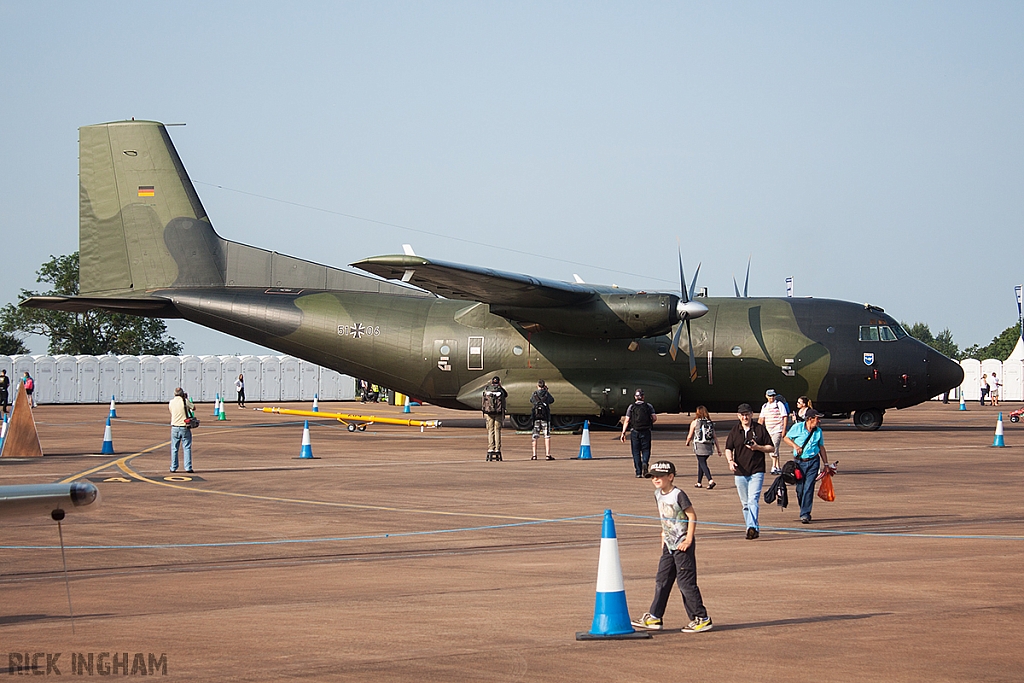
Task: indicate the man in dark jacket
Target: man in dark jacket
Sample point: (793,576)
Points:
(641,417)
(745,447)
(541,402)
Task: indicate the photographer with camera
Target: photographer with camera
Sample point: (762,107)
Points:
(182,420)
(745,448)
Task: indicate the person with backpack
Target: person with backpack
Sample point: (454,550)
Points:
(541,402)
(492,404)
(30,388)
(702,436)
(805,438)
(641,417)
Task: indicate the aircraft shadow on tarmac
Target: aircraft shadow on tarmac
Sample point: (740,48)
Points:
(6,619)
(787,622)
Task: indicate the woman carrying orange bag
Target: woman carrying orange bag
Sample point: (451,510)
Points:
(806,440)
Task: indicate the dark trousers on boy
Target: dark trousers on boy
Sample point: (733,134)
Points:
(679,566)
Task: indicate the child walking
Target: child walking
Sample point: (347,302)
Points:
(678,555)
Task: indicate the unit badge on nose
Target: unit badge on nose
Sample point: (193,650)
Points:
(869,359)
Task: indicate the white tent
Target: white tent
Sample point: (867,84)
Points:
(1018,350)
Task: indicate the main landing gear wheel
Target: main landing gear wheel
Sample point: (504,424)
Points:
(563,421)
(521,422)
(867,420)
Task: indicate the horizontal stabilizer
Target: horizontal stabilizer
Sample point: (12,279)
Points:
(149,306)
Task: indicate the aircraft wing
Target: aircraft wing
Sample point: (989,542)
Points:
(472,283)
(45,499)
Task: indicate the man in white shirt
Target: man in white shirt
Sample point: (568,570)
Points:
(775,418)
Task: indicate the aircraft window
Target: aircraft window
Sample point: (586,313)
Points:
(898,329)
(886,333)
(662,349)
(868,333)
(830,329)
(736,351)
(445,350)
(517,350)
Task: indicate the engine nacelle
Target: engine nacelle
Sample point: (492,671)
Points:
(606,316)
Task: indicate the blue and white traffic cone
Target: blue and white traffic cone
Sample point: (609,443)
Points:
(407,408)
(3,432)
(108,440)
(216,406)
(997,442)
(316,403)
(963,406)
(113,409)
(307,447)
(585,442)
(611,616)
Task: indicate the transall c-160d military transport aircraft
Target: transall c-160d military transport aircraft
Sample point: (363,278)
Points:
(439,331)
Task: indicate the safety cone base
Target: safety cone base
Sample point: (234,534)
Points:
(635,635)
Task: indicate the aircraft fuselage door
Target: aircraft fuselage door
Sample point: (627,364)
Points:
(475,353)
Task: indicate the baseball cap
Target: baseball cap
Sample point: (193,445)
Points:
(660,469)
(811,412)
(744,408)
(770,392)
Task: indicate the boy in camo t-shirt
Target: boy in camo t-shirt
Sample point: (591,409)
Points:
(678,557)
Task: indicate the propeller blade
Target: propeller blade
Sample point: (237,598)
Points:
(682,279)
(735,287)
(746,281)
(673,348)
(693,283)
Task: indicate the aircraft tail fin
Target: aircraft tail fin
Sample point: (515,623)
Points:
(141,224)
(143,228)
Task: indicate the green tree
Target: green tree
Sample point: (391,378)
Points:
(1001,347)
(11,345)
(942,342)
(90,333)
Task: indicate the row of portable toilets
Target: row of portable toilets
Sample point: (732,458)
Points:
(152,379)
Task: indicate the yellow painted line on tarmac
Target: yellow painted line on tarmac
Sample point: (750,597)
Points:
(116,461)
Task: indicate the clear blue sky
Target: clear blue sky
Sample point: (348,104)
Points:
(873,151)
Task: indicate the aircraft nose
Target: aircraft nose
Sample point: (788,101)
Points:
(943,374)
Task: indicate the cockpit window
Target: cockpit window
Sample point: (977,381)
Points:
(887,332)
